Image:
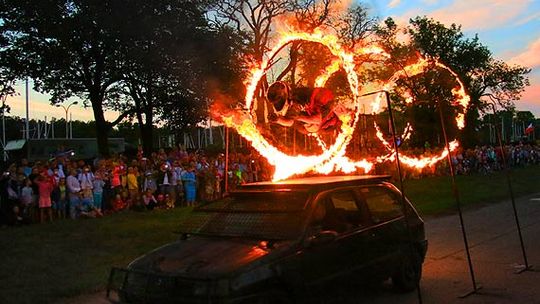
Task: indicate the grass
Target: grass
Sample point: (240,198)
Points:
(45,263)
(433,195)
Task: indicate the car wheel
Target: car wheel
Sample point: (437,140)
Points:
(409,273)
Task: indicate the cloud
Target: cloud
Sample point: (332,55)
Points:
(476,15)
(394,3)
(530,57)
(528,19)
(530,100)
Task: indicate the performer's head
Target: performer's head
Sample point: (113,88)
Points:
(278,94)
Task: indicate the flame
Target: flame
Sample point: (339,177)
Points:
(330,70)
(332,158)
(409,161)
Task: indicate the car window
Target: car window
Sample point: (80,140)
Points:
(344,200)
(382,203)
(338,211)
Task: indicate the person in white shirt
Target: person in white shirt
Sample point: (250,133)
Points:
(74,190)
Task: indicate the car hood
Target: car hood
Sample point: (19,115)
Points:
(205,257)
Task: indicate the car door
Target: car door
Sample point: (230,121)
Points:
(387,230)
(319,262)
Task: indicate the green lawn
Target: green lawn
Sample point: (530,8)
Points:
(434,195)
(43,263)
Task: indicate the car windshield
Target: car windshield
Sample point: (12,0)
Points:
(264,215)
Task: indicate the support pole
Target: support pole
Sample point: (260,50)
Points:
(401,186)
(526,265)
(4,132)
(27,112)
(458,204)
(226,159)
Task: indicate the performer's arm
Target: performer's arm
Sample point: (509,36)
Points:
(284,121)
(313,119)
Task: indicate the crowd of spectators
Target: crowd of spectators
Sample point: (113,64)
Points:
(479,160)
(66,187)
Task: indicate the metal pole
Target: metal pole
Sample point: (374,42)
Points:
(45,129)
(458,203)
(67,126)
(401,186)
(526,266)
(226,159)
(27,112)
(52,127)
(4,133)
(211,135)
(71,126)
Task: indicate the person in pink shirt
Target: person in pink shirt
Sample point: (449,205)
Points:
(45,186)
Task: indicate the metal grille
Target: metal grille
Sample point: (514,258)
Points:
(266,225)
(140,287)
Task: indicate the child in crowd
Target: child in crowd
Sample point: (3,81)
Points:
(98,191)
(133,185)
(26,198)
(118,203)
(62,200)
(149,200)
(88,210)
(45,186)
(190,186)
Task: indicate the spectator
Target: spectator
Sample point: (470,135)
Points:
(74,190)
(45,185)
(190,185)
(98,186)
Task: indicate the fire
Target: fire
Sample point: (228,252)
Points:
(409,161)
(332,158)
(330,70)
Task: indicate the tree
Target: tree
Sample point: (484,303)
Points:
(481,74)
(164,50)
(69,48)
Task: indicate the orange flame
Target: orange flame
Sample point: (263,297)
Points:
(332,158)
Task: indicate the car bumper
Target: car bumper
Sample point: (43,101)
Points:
(134,286)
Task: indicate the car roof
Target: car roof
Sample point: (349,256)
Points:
(315,183)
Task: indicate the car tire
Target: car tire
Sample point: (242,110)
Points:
(409,273)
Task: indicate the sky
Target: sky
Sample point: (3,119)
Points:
(510,29)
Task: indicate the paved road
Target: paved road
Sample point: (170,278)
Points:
(495,253)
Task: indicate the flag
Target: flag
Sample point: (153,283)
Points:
(530,129)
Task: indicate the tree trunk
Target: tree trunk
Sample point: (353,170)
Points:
(102,126)
(147,133)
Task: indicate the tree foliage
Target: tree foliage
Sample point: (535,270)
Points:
(486,79)
(140,58)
